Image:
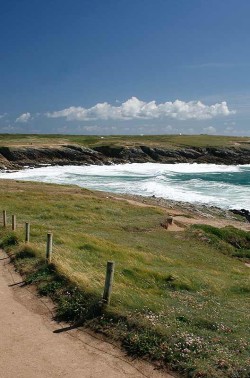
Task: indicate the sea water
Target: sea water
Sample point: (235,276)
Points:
(216,185)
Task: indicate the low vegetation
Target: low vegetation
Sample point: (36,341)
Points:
(230,240)
(179,298)
(165,141)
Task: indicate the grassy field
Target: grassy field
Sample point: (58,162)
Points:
(178,297)
(167,141)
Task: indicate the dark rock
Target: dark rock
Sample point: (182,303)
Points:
(109,151)
(244,213)
(190,153)
(16,158)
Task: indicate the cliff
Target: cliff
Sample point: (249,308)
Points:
(18,157)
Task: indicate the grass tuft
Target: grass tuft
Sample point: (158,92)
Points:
(9,240)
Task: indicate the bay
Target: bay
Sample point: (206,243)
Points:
(216,185)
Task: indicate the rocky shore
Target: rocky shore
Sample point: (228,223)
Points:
(18,157)
(193,210)
(185,214)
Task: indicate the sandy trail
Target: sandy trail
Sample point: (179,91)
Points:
(213,222)
(29,348)
(180,221)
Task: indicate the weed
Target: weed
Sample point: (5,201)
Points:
(74,305)
(144,343)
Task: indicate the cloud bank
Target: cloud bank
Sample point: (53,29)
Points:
(137,109)
(23,118)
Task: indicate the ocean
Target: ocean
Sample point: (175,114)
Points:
(224,186)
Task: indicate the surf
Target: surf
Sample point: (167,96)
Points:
(214,185)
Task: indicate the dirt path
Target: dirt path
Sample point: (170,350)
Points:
(183,218)
(29,346)
(213,222)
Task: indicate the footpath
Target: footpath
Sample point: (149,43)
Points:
(33,345)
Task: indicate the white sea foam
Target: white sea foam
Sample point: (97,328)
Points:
(219,185)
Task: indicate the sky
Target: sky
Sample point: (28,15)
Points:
(125,67)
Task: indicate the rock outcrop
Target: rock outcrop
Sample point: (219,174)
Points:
(18,157)
(243,213)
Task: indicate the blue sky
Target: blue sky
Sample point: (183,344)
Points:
(125,66)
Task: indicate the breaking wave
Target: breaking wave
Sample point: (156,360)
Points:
(218,185)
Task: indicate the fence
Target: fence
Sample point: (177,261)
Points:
(49,255)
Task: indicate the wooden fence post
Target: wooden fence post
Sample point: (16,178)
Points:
(49,247)
(13,222)
(27,232)
(108,282)
(4,218)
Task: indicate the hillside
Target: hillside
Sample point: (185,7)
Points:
(180,297)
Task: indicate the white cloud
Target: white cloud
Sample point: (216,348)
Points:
(137,109)
(23,118)
(3,115)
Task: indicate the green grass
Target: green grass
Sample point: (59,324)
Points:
(175,298)
(167,141)
(230,240)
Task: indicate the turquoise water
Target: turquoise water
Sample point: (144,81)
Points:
(217,185)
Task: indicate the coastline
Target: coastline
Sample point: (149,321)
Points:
(17,157)
(197,209)
(185,213)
